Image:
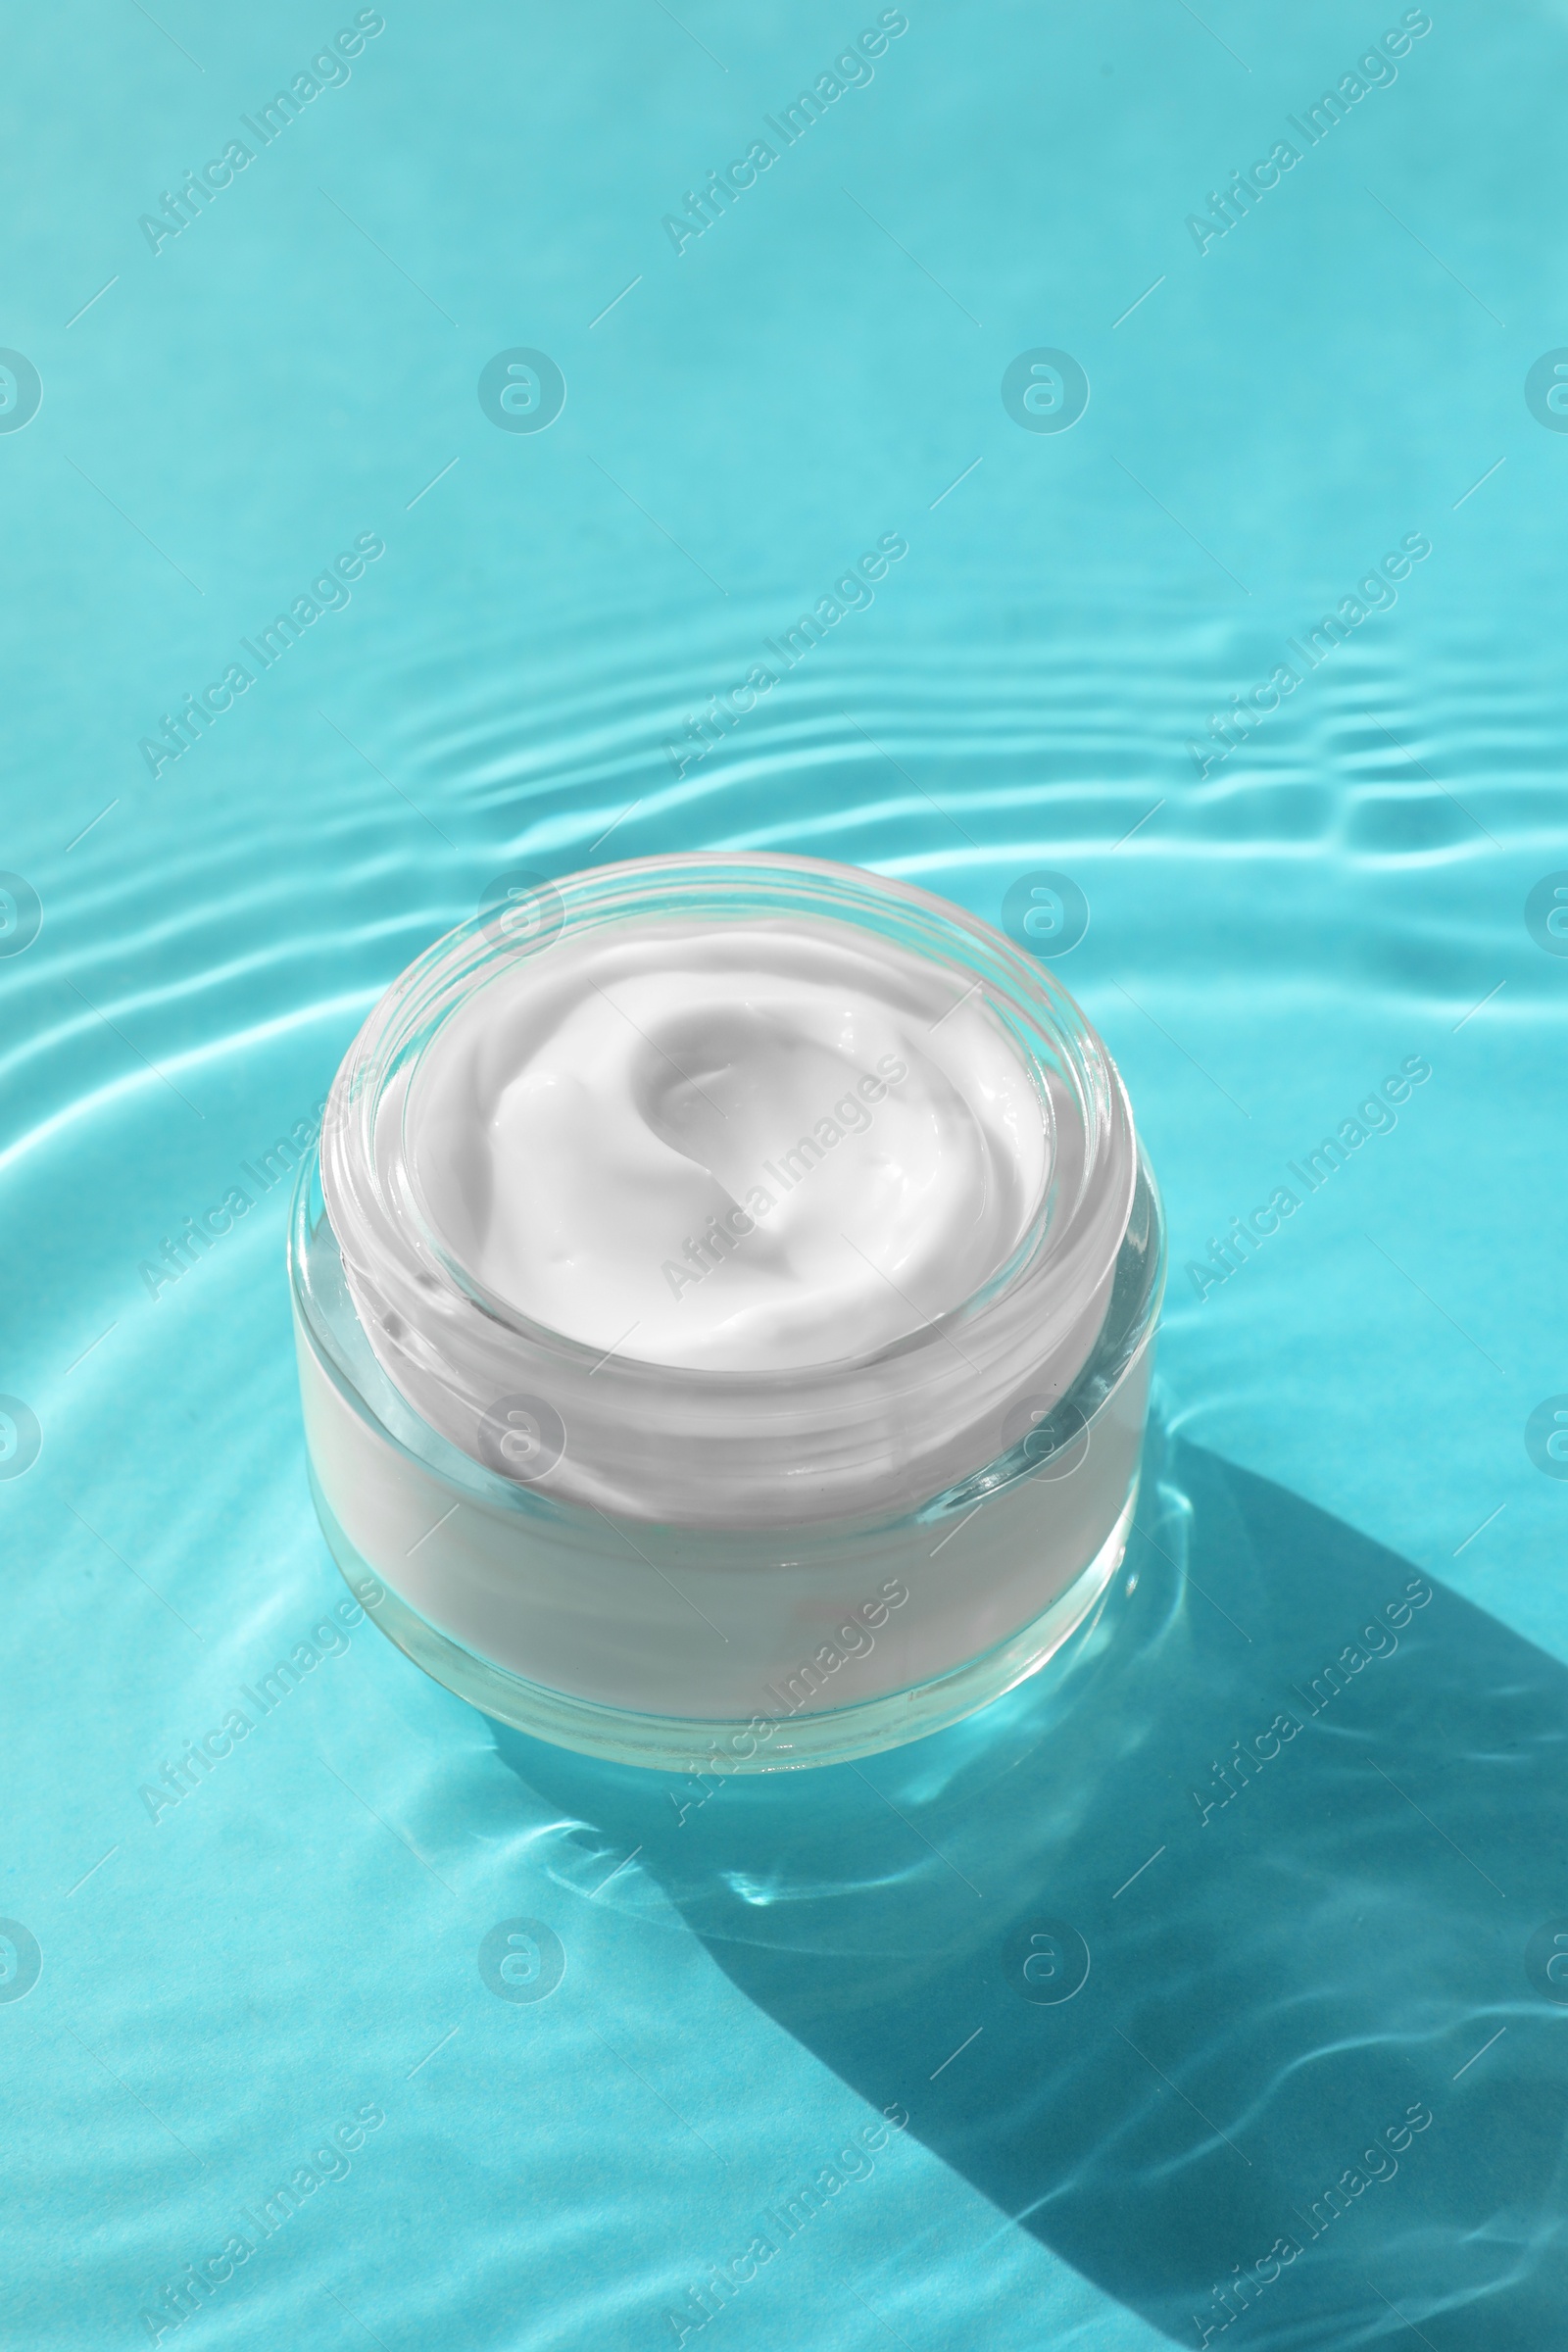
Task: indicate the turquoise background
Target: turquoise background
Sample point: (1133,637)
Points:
(298,1937)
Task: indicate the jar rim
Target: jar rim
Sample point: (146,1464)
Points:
(903,1420)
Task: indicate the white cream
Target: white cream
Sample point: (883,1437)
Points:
(762,1148)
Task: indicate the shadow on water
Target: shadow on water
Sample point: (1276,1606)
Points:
(1291,1961)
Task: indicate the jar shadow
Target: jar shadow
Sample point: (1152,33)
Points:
(1204,1953)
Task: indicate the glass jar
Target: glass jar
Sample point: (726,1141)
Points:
(725,1570)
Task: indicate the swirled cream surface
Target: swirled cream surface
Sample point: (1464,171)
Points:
(748,1145)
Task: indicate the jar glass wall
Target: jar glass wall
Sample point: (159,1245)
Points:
(777,1566)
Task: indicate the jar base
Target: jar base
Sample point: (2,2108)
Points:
(685,1744)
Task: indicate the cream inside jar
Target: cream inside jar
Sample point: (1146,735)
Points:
(749,1225)
(774,1145)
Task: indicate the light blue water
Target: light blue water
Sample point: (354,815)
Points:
(298,1937)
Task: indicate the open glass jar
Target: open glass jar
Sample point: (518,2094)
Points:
(679,1563)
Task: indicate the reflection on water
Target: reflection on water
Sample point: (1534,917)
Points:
(1201,1953)
(1161,1951)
